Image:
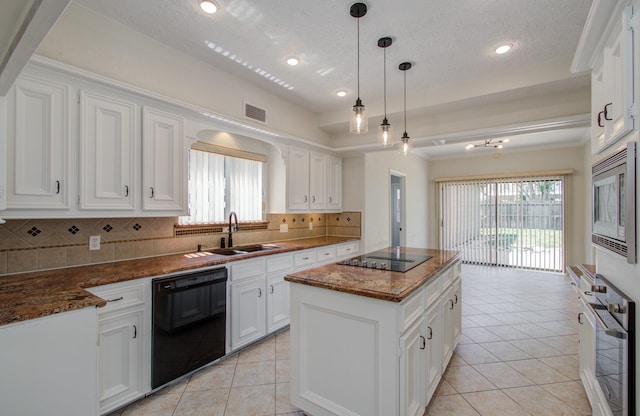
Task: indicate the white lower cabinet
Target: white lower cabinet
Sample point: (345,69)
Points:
(124,343)
(277,303)
(451,310)
(248,314)
(120,359)
(413,364)
(259,298)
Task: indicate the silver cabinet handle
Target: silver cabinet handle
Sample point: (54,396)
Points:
(330,199)
(430,333)
(586,292)
(580,318)
(135,332)
(259,292)
(126,191)
(305,258)
(424,342)
(313,198)
(456,296)
(116,299)
(152,192)
(451,300)
(271,286)
(57,187)
(305,198)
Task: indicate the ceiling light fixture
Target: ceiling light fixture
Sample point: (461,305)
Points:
(208,6)
(488,144)
(504,48)
(385,133)
(359,123)
(293,61)
(341,93)
(405,145)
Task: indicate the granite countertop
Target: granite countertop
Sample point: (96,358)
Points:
(374,283)
(36,294)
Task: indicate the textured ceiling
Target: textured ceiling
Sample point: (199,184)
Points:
(448,41)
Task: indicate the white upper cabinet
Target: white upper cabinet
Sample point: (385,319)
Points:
(314,181)
(298,179)
(38,144)
(613,101)
(108,135)
(317,180)
(334,183)
(163,161)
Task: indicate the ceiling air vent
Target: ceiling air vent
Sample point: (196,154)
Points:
(255,113)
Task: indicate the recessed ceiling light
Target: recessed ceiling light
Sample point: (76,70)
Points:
(208,6)
(293,61)
(341,93)
(504,48)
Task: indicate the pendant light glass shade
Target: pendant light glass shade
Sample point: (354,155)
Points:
(405,147)
(359,123)
(385,132)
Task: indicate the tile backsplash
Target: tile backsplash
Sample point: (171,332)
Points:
(30,245)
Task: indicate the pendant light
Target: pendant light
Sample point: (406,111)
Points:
(405,145)
(385,133)
(359,122)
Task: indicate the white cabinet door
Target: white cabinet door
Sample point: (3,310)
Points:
(412,369)
(334,183)
(457,310)
(278,310)
(38,144)
(317,180)
(612,87)
(434,346)
(298,178)
(163,161)
(447,310)
(120,359)
(248,320)
(108,138)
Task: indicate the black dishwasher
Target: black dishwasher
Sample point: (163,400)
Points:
(189,323)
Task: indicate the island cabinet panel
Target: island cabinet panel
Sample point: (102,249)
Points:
(359,355)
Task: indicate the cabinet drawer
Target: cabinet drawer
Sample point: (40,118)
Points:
(247,268)
(304,258)
(326,254)
(120,296)
(411,309)
(279,263)
(446,277)
(457,269)
(348,250)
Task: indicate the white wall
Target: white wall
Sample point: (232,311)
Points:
(86,39)
(377,187)
(482,162)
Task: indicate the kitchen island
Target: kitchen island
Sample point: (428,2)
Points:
(368,341)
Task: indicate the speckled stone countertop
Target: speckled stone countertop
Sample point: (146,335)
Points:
(373,283)
(33,295)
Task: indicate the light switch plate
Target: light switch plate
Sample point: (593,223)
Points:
(284,228)
(94,242)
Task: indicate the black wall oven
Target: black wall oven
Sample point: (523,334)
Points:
(615,346)
(189,323)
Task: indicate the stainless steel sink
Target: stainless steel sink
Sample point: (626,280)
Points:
(232,251)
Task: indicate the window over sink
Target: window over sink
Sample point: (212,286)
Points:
(220,183)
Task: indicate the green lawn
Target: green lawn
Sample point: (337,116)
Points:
(524,237)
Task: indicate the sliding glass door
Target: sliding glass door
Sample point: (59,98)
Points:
(512,222)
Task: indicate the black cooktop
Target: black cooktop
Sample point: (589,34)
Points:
(397,260)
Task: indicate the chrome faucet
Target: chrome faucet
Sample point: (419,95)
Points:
(232,214)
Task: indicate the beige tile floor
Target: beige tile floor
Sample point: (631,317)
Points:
(518,355)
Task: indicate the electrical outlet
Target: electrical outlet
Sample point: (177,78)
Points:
(94,242)
(311,226)
(284,228)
